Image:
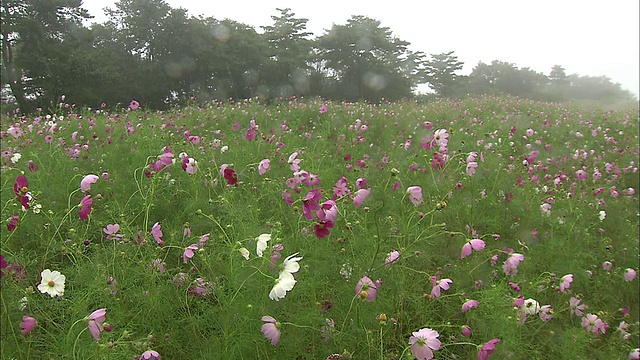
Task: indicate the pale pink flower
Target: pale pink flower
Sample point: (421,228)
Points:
(366,289)
(635,354)
(607,265)
(391,258)
(511,264)
(593,324)
(439,284)
(575,306)
(546,313)
(85,184)
(96,319)
(487,349)
(360,196)
(475,244)
(566,282)
(423,342)
(415,194)
(150,355)
(629,274)
(264,166)
(469,304)
(157,234)
(270,329)
(189,252)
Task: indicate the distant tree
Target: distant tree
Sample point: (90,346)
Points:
(440,72)
(558,77)
(35,47)
(287,70)
(506,78)
(599,88)
(365,61)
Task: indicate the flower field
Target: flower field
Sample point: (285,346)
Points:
(492,227)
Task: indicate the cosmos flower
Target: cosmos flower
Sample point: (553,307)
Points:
(261,243)
(150,355)
(85,207)
(264,166)
(575,306)
(360,196)
(157,234)
(566,282)
(21,189)
(530,307)
(439,284)
(423,342)
(469,304)
(629,274)
(487,349)
(96,319)
(271,329)
(475,244)
(85,184)
(391,258)
(52,283)
(27,324)
(366,289)
(415,194)
(284,283)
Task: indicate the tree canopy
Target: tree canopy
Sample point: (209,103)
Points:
(161,56)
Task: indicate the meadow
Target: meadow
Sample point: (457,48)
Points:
(492,227)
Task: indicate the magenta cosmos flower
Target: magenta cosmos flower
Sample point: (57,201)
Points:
(21,189)
(27,324)
(366,289)
(487,349)
(96,319)
(85,184)
(511,264)
(310,203)
(85,207)
(271,329)
(264,166)
(415,194)
(474,244)
(423,342)
(134,105)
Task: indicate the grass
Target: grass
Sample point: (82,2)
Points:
(151,294)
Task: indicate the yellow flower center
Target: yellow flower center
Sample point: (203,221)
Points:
(24,189)
(363,294)
(51,283)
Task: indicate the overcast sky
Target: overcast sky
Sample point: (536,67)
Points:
(585,37)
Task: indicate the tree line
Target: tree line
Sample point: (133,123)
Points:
(161,56)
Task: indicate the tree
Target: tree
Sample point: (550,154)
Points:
(35,38)
(365,60)
(287,71)
(440,72)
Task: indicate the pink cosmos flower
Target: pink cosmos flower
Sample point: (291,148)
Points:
(415,194)
(85,184)
(85,207)
(441,138)
(112,232)
(150,355)
(360,196)
(366,289)
(231,176)
(439,284)
(575,306)
(189,252)
(264,166)
(423,342)
(310,203)
(546,313)
(487,349)
(96,319)
(157,234)
(189,165)
(465,331)
(3,265)
(629,274)
(593,324)
(635,354)
(475,244)
(607,265)
(471,168)
(293,162)
(581,175)
(323,109)
(566,282)
(391,258)
(328,211)
(134,105)
(511,264)
(27,324)
(469,304)
(271,329)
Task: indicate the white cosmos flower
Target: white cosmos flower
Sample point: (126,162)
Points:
(284,283)
(530,307)
(16,157)
(290,264)
(262,241)
(602,215)
(245,253)
(52,283)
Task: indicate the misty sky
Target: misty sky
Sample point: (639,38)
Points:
(585,37)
